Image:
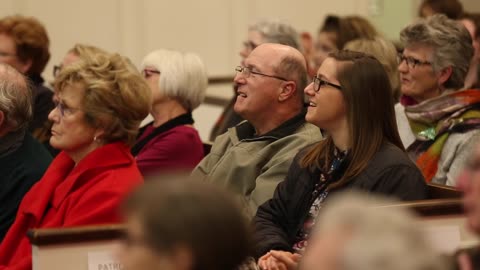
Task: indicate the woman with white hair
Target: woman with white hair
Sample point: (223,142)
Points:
(178,82)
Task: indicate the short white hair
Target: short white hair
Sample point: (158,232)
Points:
(183,76)
(381,238)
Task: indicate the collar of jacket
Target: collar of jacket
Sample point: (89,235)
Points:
(36,79)
(246,132)
(64,177)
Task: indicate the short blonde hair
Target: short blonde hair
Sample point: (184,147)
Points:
(386,54)
(380,238)
(182,76)
(84,50)
(116,97)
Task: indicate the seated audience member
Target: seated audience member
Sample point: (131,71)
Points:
(471,21)
(350,99)
(23,160)
(178,82)
(24,45)
(386,54)
(252,158)
(453,9)
(266,31)
(353,233)
(438,123)
(205,231)
(469,183)
(338,31)
(100,103)
(79,51)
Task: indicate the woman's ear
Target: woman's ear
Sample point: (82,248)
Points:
(444,75)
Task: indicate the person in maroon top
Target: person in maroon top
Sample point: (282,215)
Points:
(170,142)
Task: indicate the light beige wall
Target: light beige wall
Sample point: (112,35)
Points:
(214,29)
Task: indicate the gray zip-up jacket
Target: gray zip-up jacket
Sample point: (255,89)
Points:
(252,166)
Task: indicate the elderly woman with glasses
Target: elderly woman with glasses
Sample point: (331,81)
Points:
(438,123)
(100,103)
(178,82)
(350,98)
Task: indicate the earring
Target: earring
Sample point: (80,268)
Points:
(94,138)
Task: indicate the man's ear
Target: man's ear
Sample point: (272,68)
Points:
(287,90)
(444,75)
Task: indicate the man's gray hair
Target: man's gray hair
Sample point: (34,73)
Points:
(276,31)
(451,43)
(15,98)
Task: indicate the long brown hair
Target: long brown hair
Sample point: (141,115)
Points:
(370,115)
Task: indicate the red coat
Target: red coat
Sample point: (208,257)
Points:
(69,195)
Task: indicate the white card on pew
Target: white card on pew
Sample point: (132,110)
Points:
(103,260)
(445,238)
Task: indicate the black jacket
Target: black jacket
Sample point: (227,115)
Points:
(277,222)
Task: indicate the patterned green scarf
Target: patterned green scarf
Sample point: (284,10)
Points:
(432,122)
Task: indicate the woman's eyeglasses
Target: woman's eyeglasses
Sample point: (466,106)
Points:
(319,83)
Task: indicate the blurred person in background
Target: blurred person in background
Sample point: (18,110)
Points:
(337,31)
(23,160)
(205,231)
(386,54)
(24,45)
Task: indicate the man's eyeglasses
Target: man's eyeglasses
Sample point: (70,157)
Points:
(149,72)
(318,83)
(411,62)
(248,71)
(64,109)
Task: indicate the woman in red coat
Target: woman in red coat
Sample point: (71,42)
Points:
(100,102)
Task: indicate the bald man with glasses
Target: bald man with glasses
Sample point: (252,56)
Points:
(251,158)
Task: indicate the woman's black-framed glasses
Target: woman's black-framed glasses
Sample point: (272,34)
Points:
(318,83)
(246,71)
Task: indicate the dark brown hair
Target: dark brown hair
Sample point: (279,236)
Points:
(453,9)
(31,40)
(174,211)
(348,28)
(370,115)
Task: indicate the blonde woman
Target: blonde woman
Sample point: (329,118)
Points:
(99,104)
